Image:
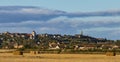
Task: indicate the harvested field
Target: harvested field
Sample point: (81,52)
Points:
(9,57)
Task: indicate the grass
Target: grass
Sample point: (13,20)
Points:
(9,57)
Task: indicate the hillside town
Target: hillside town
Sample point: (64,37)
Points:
(55,41)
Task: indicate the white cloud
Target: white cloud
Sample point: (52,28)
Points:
(64,24)
(71,22)
(44,11)
(103,32)
(102,29)
(26,19)
(41,11)
(16,29)
(48,30)
(37,11)
(32,22)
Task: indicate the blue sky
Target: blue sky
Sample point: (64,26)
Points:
(66,5)
(97,18)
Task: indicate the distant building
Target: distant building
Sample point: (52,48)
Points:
(6,32)
(18,46)
(33,35)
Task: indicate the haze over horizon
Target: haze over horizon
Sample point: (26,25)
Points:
(95,18)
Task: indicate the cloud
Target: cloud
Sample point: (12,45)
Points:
(104,24)
(16,29)
(49,30)
(40,11)
(25,13)
(103,32)
(29,10)
(94,26)
(63,22)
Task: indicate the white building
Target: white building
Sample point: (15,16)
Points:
(33,35)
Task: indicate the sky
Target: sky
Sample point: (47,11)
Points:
(66,5)
(96,18)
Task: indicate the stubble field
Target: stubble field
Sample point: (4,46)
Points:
(9,57)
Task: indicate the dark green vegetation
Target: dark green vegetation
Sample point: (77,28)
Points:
(56,43)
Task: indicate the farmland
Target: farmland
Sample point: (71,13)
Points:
(9,57)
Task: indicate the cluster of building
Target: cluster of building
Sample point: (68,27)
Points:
(78,41)
(23,35)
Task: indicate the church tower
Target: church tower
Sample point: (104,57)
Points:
(33,34)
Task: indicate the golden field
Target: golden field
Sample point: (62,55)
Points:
(9,57)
